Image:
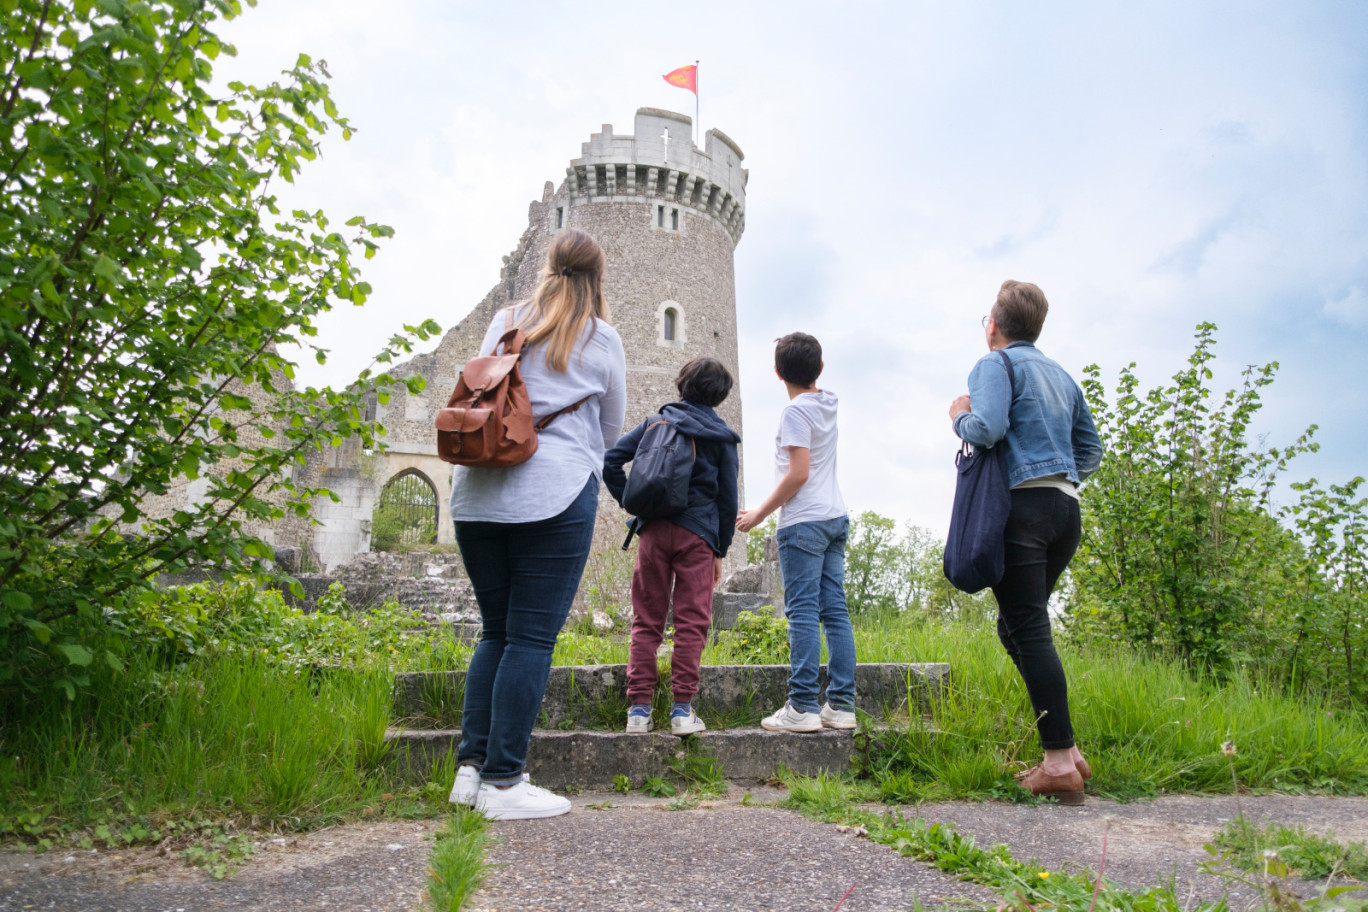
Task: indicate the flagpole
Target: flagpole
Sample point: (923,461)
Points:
(698,125)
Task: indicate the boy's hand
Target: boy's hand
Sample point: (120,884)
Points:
(717,571)
(961,404)
(748,519)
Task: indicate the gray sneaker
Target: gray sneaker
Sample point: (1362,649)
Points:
(837,718)
(789,719)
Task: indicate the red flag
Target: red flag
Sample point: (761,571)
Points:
(686,77)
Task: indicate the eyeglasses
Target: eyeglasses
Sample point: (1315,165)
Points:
(984,321)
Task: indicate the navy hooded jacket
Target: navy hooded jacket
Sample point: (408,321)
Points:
(713,483)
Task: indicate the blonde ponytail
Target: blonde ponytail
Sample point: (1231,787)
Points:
(569,295)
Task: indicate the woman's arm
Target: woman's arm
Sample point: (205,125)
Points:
(1087,446)
(990,403)
(613,405)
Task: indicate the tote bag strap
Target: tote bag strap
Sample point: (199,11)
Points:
(1011,376)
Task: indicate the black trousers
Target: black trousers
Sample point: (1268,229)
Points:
(1041,536)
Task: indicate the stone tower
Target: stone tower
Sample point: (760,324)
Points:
(668,216)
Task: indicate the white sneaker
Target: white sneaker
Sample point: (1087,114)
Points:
(467,784)
(837,718)
(523,801)
(689,724)
(789,719)
(639,723)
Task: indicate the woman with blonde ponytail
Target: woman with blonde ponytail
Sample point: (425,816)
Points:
(524,531)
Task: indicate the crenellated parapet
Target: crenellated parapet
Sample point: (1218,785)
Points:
(659,164)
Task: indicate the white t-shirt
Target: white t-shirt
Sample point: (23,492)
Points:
(809,420)
(569,449)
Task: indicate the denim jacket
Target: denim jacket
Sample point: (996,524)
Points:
(1048,429)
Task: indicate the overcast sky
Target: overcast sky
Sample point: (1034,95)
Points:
(1150,166)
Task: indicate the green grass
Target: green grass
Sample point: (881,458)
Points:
(1309,856)
(1147,725)
(226,737)
(457,867)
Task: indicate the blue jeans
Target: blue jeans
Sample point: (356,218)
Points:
(812,560)
(525,576)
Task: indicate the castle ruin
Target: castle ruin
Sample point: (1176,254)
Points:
(668,216)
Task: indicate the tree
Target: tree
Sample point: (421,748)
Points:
(1326,623)
(1183,551)
(149,287)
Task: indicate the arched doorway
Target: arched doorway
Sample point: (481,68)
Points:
(407,513)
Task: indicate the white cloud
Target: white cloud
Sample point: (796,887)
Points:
(1150,167)
(1351,307)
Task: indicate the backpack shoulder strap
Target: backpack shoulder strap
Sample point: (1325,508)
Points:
(572,407)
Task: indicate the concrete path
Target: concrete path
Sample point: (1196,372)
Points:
(1148,843)
(719,857)
(635,853)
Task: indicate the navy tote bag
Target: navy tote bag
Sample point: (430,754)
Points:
(974,552)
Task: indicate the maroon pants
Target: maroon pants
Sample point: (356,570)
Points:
(669,559)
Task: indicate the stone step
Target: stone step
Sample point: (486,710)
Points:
(593,759)
(595,696)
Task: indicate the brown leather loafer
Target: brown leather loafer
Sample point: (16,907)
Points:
(1066,789)
(1082,766)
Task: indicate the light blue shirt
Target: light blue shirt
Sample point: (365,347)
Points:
(570,449)
(1042,419)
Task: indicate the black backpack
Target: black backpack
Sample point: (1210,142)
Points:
(658,485)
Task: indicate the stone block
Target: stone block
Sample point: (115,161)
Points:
(595,696)
(592,760)
(288,559)
(727,605)
(746,580)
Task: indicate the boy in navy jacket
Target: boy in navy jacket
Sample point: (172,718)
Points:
(682,554)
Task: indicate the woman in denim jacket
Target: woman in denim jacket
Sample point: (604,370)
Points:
(1051,445)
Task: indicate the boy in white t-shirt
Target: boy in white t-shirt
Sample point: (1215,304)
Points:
(813,527)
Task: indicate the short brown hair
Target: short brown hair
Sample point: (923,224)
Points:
(798,359)
(1020,310)
(705,381)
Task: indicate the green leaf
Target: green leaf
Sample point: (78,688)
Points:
(257,549)
(106,268)
(75,653)
(41,632)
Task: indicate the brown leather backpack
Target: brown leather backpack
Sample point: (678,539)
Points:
(487,422)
